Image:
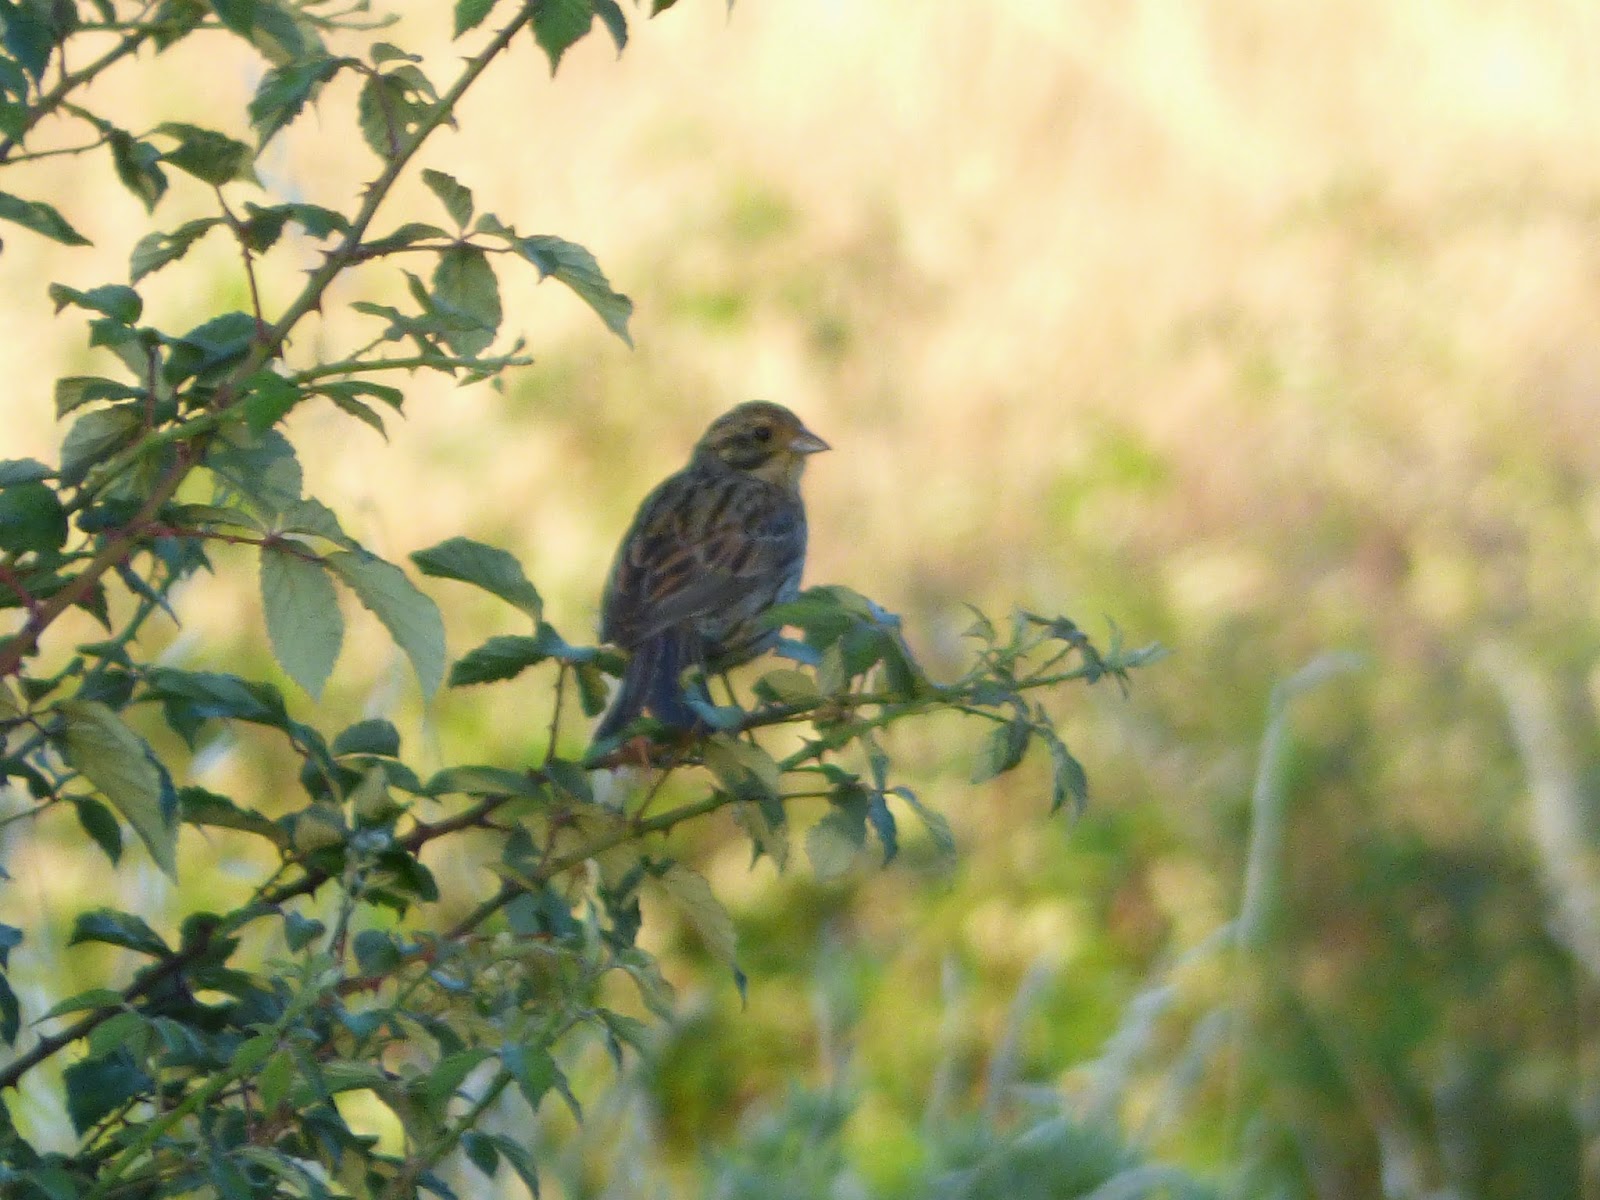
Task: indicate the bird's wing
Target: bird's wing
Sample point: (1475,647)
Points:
(698,544)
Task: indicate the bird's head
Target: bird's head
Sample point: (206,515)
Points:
(763,439)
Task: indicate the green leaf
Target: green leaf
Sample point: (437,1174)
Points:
(833,843)
(1002,750)
(488,567)
(22,470)
(136,164)
(29,37)
(31,518)
(373,736)
(260,467)
(471,13)
(1067,777)
(74,391)
(237,15)
(616,21)
(200,807)
(692,896)
(932,819)
(41,218)
(507,656)
(576,267)
(283,92)
(503,657)
(98,1086)
(115,928)
(210,346)
(156,250)
(557,24)
(209,156)
(484,781)
(120,765)
(456,197)
(93,437)
(788,686)
(411,618)
(272,1084)
(10,1015)
(303,618)
(464,286)
(83,1001)
(391,108)
(120,303)
(743,768)
(100,825)
(268,398)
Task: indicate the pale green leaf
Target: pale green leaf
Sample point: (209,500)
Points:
(692,896)
(303,618)
(118,762)
(411,618)
(488,567)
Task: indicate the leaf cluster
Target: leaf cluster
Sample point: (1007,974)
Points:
(195,1066)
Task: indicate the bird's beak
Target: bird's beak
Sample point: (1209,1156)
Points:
(806,442)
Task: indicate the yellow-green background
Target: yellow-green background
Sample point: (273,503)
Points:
(1260,329)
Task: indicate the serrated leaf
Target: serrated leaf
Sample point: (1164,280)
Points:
(303,619)
(487,567)
(31,518)
(93,998)
(22,470)
(98,1086)
(616,21)
(156,250)
(209,156)
(268,398)
(743,768)
(1002,750)
(411,618)
(464,286)
(120,303)
(261,467)
(115,928)
(1067,777)
(41,218)
(74,391)
(456,197)
(483,781)
(283,92)
(833,843)
(120,765)
(136,163)
(470,14)
(576,267)
(692,896)
(788,686)
(373,736)
(557,24)
(932,819)
(503,657)
(93,437)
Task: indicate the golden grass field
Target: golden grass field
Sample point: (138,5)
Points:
(1262,330)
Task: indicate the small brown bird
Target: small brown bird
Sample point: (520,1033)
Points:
(709,551)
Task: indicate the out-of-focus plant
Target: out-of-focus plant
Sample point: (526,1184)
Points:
(211,1069)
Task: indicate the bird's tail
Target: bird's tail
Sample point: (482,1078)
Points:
(651,682)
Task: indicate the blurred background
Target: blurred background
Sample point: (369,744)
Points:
(1265,331)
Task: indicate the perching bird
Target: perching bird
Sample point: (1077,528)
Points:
(709,551)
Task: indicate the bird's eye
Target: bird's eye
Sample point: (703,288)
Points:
(762,433)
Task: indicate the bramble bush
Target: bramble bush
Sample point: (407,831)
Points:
(207,1065)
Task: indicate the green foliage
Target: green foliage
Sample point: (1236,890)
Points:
(223,1058)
